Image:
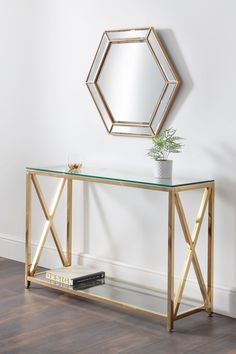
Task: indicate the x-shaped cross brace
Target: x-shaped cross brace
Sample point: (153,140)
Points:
(49,225)
(191,241)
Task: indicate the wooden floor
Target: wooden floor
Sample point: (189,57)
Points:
(41,320)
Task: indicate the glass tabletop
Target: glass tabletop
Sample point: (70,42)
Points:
(119,176)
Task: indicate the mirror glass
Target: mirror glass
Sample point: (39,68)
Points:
(132,82)
(141,88)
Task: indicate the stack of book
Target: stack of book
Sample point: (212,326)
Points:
(76,277)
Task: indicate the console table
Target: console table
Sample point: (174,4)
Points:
(116,292)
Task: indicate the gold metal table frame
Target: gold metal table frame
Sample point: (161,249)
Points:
(174,204)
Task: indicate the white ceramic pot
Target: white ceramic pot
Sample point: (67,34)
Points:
(162,168)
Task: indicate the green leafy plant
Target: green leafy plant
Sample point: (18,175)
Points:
(164,144)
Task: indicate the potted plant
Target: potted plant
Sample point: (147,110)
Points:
(164,144)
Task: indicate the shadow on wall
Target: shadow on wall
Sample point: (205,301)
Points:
(112,224)
(90,188)
(224,157)
(186,84)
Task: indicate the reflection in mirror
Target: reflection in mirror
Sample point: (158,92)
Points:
(132,82)
(122,69)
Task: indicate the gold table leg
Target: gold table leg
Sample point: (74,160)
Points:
(28,228)
(170,285)
(210,259)
(69,221)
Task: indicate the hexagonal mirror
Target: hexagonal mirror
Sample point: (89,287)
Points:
(132,82)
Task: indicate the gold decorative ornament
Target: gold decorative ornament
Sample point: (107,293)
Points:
(74,166)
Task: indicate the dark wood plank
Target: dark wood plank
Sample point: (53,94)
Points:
(41,320)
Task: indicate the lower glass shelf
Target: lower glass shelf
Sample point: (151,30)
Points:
(120,293)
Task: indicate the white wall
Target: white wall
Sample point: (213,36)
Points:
(46,49)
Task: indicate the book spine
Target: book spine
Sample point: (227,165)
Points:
(59,279)
(75,281)
(89,278)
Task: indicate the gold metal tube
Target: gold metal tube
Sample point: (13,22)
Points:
(190,312)
(28,228)
(69,222)
(170,286)
(210,260)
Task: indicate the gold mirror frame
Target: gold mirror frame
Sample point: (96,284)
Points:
(163,64)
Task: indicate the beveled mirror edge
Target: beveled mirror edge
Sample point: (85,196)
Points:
(166,54)
(167,109)
(176,82)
